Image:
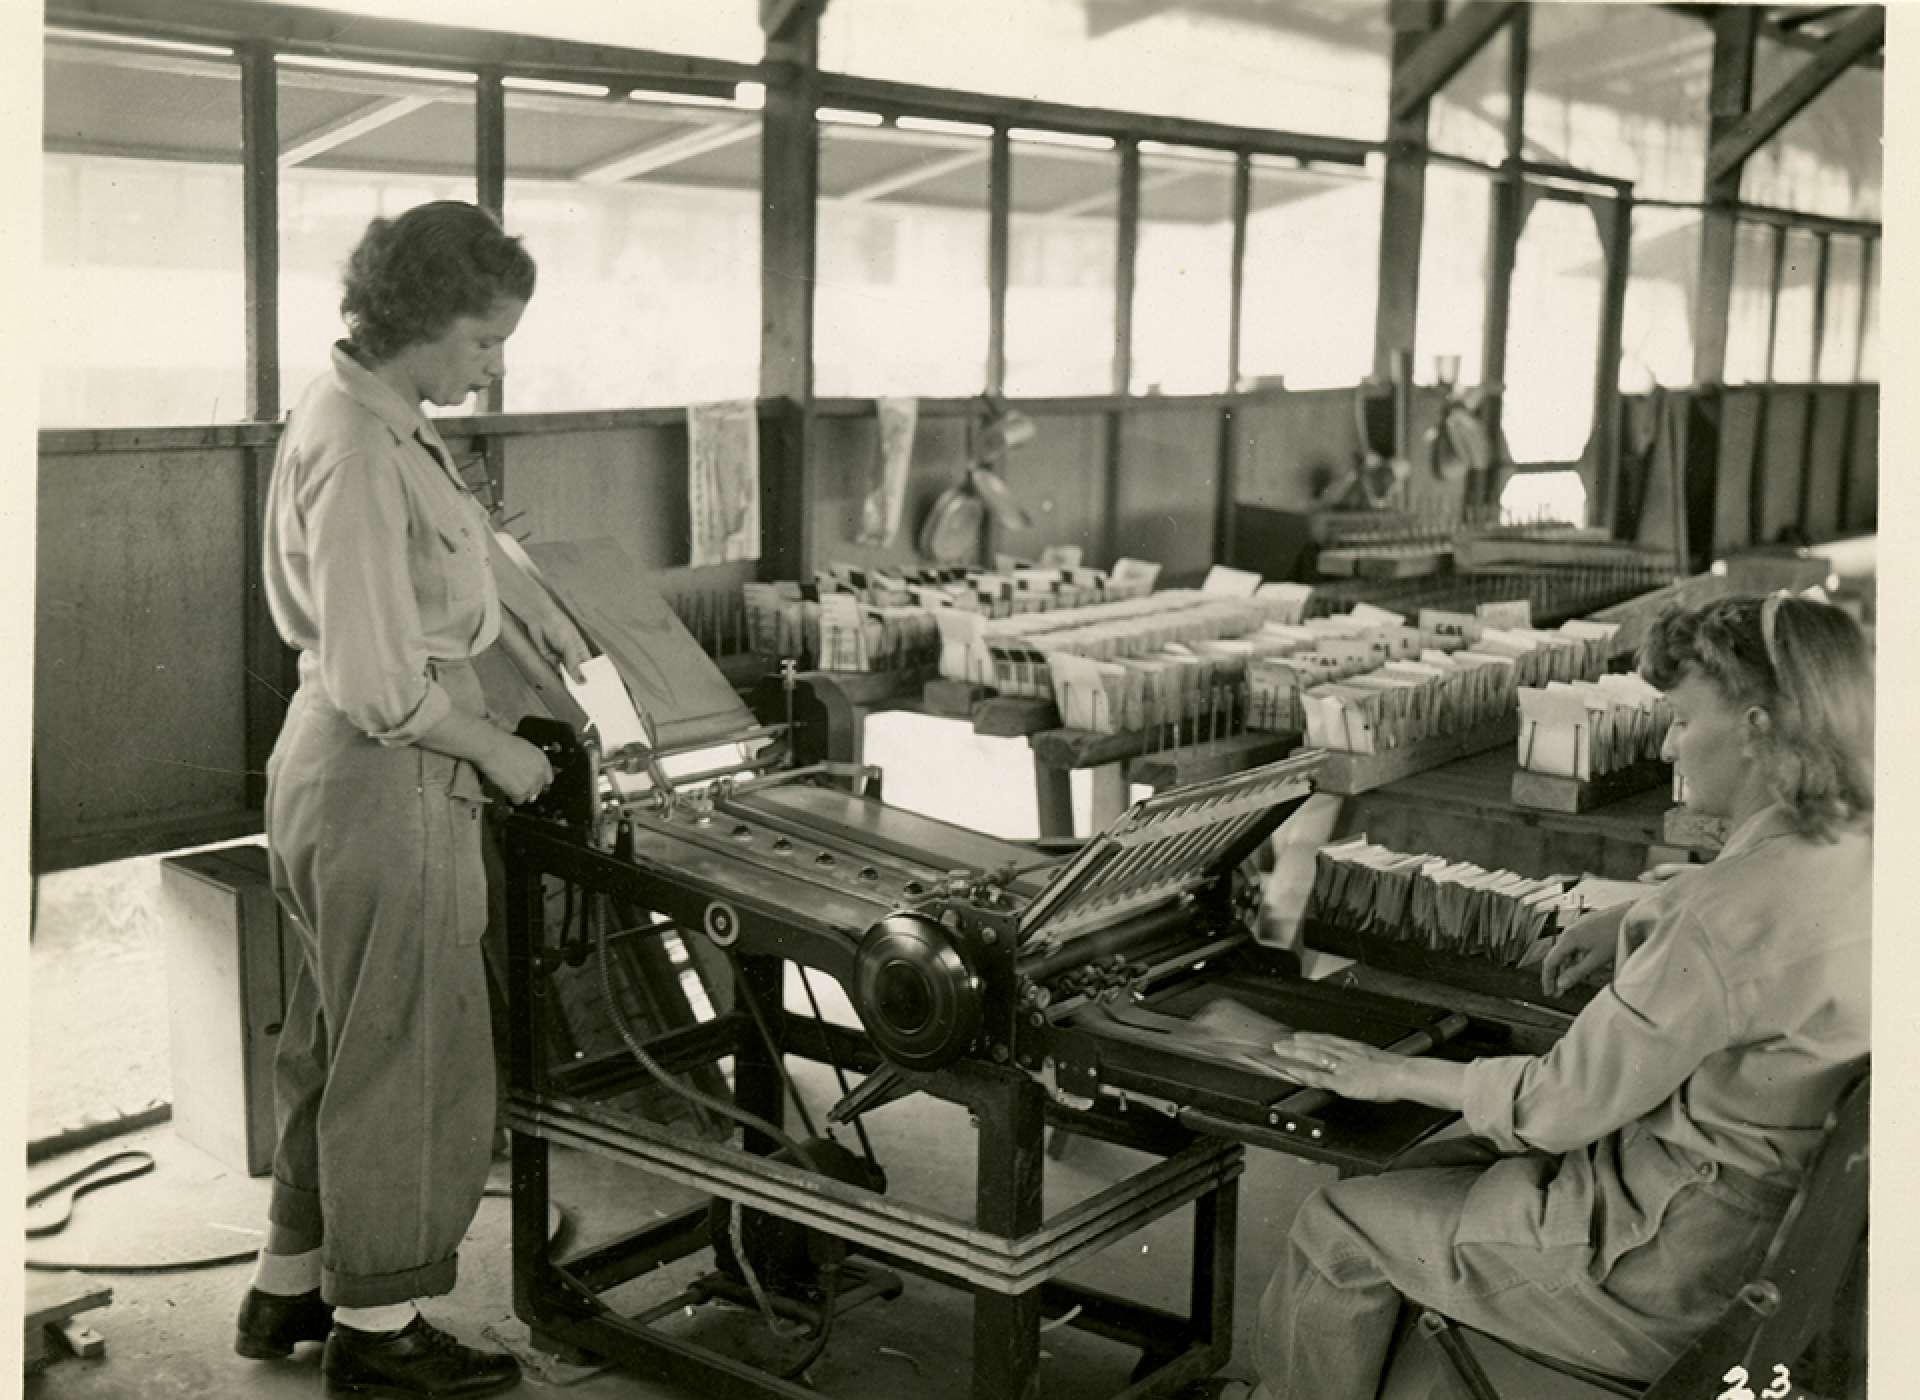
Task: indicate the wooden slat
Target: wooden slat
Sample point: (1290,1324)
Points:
(1783,458)
(1740,414)
(1863,462)
(140,646)
(896,98)
(1350,773)
(1216,758)
(1014,716)
(1826,472)
(1549,793)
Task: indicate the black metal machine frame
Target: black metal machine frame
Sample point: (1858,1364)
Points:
(1008,1257)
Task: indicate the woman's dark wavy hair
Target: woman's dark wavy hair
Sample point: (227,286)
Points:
(1810,669)
(412,276)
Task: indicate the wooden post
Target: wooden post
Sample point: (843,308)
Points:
(1236,318)
(1403,201)
(1509,218)
(1614,217)
(490,171)
(790,183)
(999,244)
(1731,93)
(270,676)
(260,225)
(1123,276)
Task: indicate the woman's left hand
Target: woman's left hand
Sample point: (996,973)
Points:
(561,643)
(1346,1067)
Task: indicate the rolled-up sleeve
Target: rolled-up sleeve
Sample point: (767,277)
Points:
(1666,1010)
(373,657)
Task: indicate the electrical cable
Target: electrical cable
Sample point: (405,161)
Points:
(833,1058)
(562,1225)
(789,1146)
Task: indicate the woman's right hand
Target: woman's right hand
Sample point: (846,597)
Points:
(517,768)
(1587,946)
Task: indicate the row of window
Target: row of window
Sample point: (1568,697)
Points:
(643,212)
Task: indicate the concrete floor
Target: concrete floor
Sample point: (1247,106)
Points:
(168,1335)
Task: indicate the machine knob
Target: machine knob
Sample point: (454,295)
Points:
(917,992)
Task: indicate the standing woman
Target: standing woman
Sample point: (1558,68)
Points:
(1623,1186)
(383,572)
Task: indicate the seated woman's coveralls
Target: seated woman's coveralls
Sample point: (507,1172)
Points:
(376,569)
(1624,1185)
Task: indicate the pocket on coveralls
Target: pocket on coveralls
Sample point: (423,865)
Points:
(456,875)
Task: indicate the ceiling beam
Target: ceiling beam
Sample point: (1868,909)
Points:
(1445,52)
(917,174)
(1860,36)
(658,155)
(1807,41)
(347,127)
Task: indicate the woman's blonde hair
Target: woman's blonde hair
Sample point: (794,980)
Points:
(1807,665)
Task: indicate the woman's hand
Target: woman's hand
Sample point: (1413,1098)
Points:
(1346,1067)
(557,639)
(517,768)
(1586,948)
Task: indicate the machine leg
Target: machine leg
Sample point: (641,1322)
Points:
(1053,790)
(1214,1221)
(1012,1162)
(757,1085)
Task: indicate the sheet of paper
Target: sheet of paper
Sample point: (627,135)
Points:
(616,719)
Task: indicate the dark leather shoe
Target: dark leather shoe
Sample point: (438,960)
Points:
(419,1362)
(271,1323)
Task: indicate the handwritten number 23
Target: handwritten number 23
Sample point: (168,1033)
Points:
(1738,1389)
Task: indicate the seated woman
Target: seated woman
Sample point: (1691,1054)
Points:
(1622,1186)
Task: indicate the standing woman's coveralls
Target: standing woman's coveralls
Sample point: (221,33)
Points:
(376,569)
(1626,1184)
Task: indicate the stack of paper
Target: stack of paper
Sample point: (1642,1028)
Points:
(1588,728)
(1457,907)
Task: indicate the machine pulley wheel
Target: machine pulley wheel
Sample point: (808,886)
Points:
(917,992)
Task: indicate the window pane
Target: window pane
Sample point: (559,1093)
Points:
(1452,312)
(1793,331)
(1840,333)
(1656,333)
(1559,496)
(355,146)
(1828,159)
(1621,90)
(1750,304)
(727,29)
(1553,334)
(1468,117)
(1312,275)
(144,312)
(1183,274)
(1288,67)
(644,218)
(1063,241)
(901,300)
